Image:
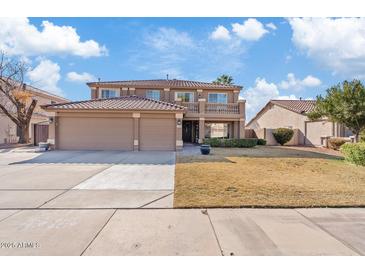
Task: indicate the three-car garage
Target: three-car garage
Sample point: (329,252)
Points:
(99,125)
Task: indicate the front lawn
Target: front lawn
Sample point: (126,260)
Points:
(267,177)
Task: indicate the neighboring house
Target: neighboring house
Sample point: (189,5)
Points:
(293,114)
(8,129)
(149,115)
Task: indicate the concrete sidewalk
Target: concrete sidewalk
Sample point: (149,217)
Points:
(183,232)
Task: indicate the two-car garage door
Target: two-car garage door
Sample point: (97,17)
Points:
(115,133)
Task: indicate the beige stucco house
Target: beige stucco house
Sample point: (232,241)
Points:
(293,114)
(148,115)
(8,129)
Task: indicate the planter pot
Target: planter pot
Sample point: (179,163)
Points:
(205,149)
(43,146)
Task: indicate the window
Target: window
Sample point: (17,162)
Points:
(217,98)
(216,130)
(185,96)
(108,93)
(153,94)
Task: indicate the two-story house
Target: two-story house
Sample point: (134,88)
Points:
(149,115)
(38,122)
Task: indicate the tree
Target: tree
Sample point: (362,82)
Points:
(224,79)
(15,101)
(345,104)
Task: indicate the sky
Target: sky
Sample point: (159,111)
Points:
(272,58)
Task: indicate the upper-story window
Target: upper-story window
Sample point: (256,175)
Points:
(108,93)
(153,94)
(218,98)
(185,96)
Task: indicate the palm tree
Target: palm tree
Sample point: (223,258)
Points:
(224,79)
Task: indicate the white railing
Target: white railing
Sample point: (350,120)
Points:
(191,106)
(218,108)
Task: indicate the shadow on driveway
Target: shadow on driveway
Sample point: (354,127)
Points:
(102,157)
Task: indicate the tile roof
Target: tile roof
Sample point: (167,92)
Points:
(131,102)
(298,106)
(161,83)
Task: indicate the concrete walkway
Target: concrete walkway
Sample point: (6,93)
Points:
(183,232)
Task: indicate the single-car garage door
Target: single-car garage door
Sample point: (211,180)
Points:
(91,133)
(157,134)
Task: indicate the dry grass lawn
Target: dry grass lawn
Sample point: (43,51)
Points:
(267,177)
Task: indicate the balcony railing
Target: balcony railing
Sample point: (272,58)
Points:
(218,108)
(191,106)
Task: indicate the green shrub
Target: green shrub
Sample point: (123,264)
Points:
(283,135)
(354,153)
(261,142)
(336,143)
(217,142)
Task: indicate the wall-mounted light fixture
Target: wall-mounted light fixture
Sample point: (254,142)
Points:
(178,122)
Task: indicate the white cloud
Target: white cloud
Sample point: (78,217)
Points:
(169,38)
(220,33)
(338,43)
(46,76)
(251,29)
(19,37)
(80,77)
(296,84)
(271,26)
(258,96)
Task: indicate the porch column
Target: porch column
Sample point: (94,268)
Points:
(202,102)
(132,91)
(51,132)
(179,141)
(56,134)
(201,130)
(236,134)
(136,116)
(241,129)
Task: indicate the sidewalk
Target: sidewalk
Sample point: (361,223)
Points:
(183,232)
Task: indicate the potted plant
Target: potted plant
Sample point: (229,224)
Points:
(205,149)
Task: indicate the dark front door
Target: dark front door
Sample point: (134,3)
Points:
(187,131)
(40,133)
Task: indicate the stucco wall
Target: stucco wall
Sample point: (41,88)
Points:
(7,129)
(276,117)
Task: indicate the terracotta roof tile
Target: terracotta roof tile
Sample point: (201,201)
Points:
(131,102)
(299,106)
(160,83)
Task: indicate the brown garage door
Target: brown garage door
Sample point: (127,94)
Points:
(95,133)
(157,134)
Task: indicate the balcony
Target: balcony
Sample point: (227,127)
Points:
(232,108)
(213,110)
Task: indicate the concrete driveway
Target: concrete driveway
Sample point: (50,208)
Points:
(86,179)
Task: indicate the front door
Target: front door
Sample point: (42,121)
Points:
(187,131)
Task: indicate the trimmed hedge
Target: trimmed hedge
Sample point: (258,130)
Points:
(283,135)
(261,142)
(336,143)
(354,153)
(217,142)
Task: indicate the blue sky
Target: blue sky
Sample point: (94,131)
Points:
(269,57)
